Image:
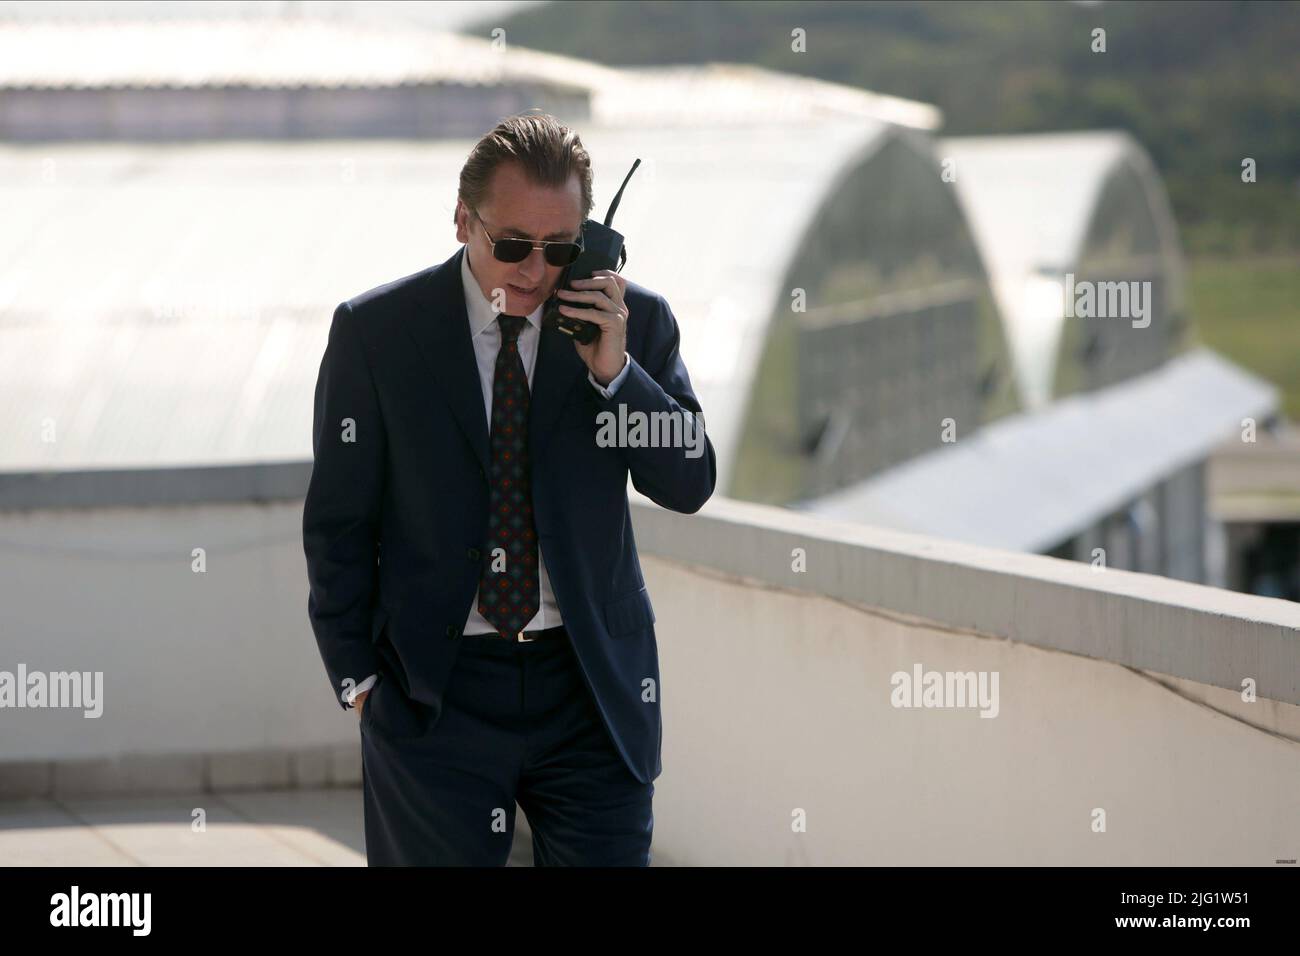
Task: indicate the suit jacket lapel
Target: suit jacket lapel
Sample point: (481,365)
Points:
(440,329)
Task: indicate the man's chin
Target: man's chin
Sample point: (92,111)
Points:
(523,302)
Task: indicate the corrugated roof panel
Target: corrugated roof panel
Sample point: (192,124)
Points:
(329,53)
(261,52)
(1031,481)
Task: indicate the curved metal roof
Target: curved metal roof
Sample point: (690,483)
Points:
(145,288)
(1030,202)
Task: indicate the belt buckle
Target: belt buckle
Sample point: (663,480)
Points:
(524,640)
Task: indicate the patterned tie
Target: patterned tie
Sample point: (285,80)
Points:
(508,599)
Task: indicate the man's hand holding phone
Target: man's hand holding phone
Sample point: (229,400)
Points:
(606,356)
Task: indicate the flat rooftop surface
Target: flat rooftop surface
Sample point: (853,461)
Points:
(243,828)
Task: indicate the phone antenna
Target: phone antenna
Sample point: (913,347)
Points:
(618,196)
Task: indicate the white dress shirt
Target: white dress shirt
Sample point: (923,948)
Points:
(485,334)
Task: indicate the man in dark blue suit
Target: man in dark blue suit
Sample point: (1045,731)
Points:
(475,590)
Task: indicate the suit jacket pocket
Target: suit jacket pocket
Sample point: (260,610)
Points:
(629,614)
(368,708)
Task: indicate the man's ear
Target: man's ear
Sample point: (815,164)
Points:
(462,222)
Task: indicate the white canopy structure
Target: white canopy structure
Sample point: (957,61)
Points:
(1088,204)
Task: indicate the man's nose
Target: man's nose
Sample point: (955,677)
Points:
(534,267)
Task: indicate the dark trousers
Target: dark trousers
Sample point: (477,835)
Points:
(518,725)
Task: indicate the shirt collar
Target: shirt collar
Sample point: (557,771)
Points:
(479,308)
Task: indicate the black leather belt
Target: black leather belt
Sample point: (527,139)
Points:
(524,637)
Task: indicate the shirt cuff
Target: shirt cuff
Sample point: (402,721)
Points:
(607,391)
(365,685)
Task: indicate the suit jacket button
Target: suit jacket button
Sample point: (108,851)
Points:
(473,554)
(453,631)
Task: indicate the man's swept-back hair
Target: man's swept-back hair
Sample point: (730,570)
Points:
(548,151)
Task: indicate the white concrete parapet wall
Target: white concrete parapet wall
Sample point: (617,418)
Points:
(778,704)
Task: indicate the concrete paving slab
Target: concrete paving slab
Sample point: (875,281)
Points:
(158,831)
(38,832)
(249,828)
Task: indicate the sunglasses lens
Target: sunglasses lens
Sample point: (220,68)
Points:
(511,250)
(562,253)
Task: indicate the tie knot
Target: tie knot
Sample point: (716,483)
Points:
(510,326)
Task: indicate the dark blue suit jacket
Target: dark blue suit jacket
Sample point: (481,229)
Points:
(396,517)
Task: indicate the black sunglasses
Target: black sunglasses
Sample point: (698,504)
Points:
(517,250)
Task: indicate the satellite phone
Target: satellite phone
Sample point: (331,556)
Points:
(602,248)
